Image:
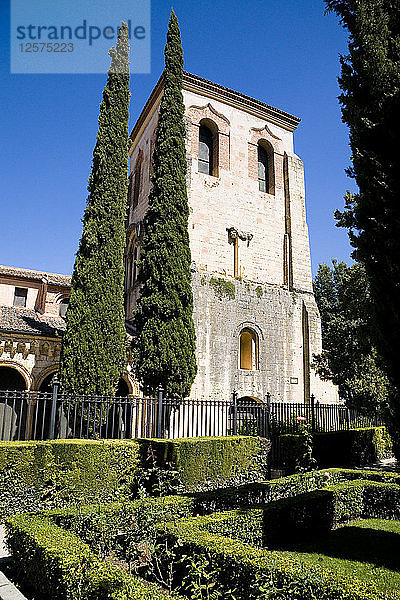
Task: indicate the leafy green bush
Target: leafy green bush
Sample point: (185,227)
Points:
(243,572)
(121,526)
(308,514)
(353,447)
(58,565)
(211,462)
(39,475)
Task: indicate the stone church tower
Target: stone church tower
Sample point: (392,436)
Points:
(256,320)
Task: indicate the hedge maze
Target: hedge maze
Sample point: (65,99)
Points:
(261,539)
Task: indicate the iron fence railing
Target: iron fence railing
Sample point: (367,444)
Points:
(38,416)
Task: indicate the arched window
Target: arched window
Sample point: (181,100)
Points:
(62,310)
(248,351)
(265,170)
(206,150)
(136,185)
(262,169)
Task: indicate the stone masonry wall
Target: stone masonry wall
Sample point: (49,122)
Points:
(275,315)
(264,298)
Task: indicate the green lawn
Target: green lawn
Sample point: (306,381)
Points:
(368,549)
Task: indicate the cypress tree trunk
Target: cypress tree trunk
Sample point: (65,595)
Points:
(370,81)
(165,345)
(95,344)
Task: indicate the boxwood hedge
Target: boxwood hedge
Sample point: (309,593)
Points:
(212,462)
(242,571)
(59,565)
(36,475)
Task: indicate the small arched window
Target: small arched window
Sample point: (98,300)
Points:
(136,185)
(206,150)
(248,351)
(263,169)
(62,310)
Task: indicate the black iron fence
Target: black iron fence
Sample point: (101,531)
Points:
(38,416)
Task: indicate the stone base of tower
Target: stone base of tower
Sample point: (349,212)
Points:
(256,339)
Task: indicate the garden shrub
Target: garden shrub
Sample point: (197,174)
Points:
(308,514)
(242,571)
(353,447)
(39,475)
(58,565)
(121,525)
(298,454)
(211,462)
(274,489)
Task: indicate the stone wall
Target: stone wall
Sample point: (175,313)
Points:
(255,243)
(223,308)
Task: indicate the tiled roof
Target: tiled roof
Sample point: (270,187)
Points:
(52,278)
(26,320)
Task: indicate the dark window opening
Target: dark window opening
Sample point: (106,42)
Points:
(205,150)
(263,169)
(20,295)
(136,186)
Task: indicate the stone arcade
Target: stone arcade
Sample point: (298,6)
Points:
(256,319)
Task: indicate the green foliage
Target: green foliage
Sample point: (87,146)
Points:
(155,478)
(242,571)
(58,564)
(124,528)
(259,291)
(284,487)
(306,514)
(94,346)
(38,475)
(223,288)
(370,82)
(211,462)
(349,358)
(353,447)
(165,344)
(207,557)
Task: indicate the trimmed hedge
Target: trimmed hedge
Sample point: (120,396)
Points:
(310,514)
(315,513)
(39,475)
(355,447)
(284,487)
(57,564)
(211,462)
(242,571)
(348,448)
(105,526)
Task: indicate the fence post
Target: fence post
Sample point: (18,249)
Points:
(56,385)
(159,411)
(268,414)
(312,413)
(234,412)
(347,418)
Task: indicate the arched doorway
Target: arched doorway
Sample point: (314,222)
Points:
(11,379)
(40,424)
(251,416)
(41,421)
(119,422)
(13,409)
(47,384)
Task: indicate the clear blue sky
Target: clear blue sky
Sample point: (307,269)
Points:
(284,52)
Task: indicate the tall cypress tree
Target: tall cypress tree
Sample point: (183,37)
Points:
(165,344)
(94,344)
(370,81)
